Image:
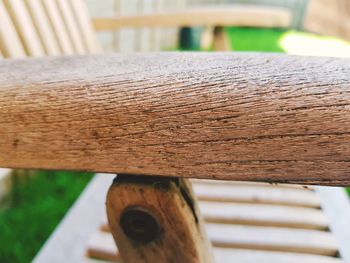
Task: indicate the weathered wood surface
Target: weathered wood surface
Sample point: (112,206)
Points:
(254,16)
(270,117)
(156,219)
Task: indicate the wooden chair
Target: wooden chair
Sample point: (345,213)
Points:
(157,119)
(213,18)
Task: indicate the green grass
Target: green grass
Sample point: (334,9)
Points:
(287,41)
(37,207)
(255,39)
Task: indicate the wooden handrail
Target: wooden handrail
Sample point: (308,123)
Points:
(261,117)
(234,15)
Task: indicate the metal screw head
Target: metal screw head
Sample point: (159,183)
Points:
(139,224)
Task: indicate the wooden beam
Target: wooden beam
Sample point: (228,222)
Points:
(156,219)
(249,116)
(253,16)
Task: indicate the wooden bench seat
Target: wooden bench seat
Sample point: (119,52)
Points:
(233,241)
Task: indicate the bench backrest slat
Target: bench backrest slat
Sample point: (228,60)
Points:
(42,24)
(72,26)
(10,43)
(25,27)
(85,25)
(37,28)
(59,27)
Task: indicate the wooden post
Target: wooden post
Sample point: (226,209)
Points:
(155,219)
(221,41)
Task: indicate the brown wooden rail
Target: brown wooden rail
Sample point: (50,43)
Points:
(253,16)
(263,117)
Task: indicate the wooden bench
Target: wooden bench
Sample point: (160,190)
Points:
(288,224)
(257,117)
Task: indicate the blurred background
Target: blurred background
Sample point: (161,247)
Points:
(29,198)
(325,17)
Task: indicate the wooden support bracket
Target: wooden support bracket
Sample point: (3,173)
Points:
(155,219)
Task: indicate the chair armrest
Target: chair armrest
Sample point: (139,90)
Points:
(234,116)
(233,15)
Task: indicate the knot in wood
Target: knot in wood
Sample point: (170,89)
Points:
(139,224)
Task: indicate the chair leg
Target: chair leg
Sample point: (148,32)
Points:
(221,40)
(156,219)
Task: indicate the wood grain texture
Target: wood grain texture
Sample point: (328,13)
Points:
(261,117)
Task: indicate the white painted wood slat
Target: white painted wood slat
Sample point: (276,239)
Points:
(71,26)
(85,25)
(336,205)
(270,238)
(42,24)
(263,215)
(58,26)
(25,27)
(101,246)
(256,194)
(10,43)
